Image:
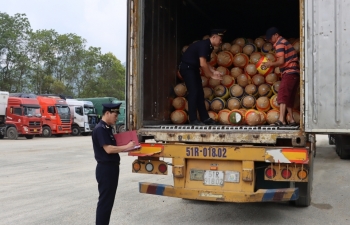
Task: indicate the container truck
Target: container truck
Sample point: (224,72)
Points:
(98,101)
(4,95)
(56,116)
(23,118)
(84,116)
(235,163)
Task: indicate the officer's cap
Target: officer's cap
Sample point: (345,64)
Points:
(112,107)
(270,32)
(219,32)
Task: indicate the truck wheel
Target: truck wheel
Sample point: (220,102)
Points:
(331,140)
(338,143)
(340,147)
(121,128)
(29,136)
(75,131)
(12,133)
(2,136)
(305,188)
(46,132)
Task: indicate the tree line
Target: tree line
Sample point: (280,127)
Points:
(46,62)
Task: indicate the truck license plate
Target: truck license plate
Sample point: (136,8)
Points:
(213,178)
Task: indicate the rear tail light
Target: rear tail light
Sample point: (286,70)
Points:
(149,167)
(270,173)
(162,168)
(136,166)
(302,174)
(286,173)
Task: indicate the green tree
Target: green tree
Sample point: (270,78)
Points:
(42,48)
(14,64)
(88,72)
(70,56)
(45,62)
(112,76)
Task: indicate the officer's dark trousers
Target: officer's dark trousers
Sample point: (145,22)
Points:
(107,178)
(195,96)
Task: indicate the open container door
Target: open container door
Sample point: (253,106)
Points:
(327,66)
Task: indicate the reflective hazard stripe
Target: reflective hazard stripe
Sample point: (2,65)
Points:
(288,155)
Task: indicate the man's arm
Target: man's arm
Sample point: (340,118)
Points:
(209,70)
(110,149)
(279,62)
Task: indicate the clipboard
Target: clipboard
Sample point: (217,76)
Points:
(124,138)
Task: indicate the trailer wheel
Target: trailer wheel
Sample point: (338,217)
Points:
(340,147)
(12,133)
(75,131)
(331,140)
(305,189)
(29,136)
(337,144)
(46,132)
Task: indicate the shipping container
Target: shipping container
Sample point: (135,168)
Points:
(157,31)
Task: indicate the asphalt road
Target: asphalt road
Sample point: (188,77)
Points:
(52,181)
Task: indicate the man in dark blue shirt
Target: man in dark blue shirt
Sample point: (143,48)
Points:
(107,157)
(197,56)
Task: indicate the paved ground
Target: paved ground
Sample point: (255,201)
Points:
(52,181)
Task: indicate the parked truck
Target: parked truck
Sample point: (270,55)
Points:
(23,118)
(4,95)
(235,163)
(98,101)
(84,116)
(56,116)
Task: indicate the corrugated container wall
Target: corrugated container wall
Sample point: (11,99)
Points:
(327,66)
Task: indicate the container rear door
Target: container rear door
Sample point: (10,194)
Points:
(327,66)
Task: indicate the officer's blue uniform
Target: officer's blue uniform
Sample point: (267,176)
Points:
(189,70)
(107,169)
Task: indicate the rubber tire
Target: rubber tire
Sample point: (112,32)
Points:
(29,136)
(59,135)
(330,141)
(121,128)
(338,144)
(305,189)
(2,136)
(75,131)
(12,133)
(46,130)
(340,148)
(85,133)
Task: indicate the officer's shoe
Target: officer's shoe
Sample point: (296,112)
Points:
(210,121)
(196,123)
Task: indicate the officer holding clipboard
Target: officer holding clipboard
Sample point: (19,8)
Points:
(108,160)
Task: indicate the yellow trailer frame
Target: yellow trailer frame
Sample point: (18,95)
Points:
(233,165)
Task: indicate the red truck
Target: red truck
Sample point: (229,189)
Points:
(23,118)
(56,116)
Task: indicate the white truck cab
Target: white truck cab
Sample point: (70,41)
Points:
(84,116)
(4,96)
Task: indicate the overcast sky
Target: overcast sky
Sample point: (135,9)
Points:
(101,22)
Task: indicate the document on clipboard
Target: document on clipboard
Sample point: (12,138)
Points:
(124,138)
